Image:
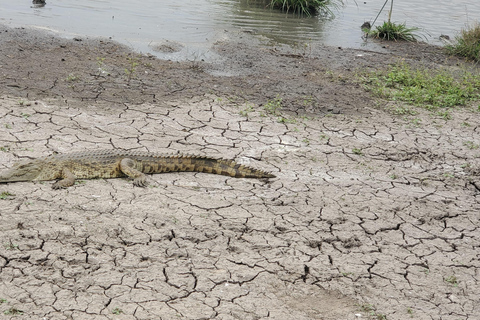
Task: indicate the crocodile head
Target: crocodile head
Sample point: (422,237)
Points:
(22,171)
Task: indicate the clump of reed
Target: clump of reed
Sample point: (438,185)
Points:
(392,31)
(467,43)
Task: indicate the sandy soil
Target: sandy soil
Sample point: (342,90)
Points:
(372,215)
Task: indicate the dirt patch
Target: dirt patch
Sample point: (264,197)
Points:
(372,215)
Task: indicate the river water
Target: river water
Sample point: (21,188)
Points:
(192,26)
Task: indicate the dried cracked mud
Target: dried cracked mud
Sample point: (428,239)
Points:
(372,215)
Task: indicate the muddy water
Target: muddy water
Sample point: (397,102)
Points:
(186,29)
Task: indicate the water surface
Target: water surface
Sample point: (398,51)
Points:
(188,28)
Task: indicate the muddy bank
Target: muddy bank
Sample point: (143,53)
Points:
(38,66)
(371,214)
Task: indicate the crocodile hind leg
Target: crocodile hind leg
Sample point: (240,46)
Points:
(127,167)
(67,181)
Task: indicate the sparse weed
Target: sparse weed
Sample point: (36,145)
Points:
(452,280)
(370,309)
(13,312)
(117,311)
(372,313)
(100,62)
(416,122)
(410,311)
(272,106)
(71,77)
(11,246)
(308,101)
(357,151)
(465,166)
(148,65)
(287,120)
(132,68)
(445,114)
(248,108)
(404,111)
(233,99)
(448,175)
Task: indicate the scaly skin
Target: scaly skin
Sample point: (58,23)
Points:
(118,163)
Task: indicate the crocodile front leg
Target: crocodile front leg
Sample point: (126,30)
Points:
(127,166)
(67,181)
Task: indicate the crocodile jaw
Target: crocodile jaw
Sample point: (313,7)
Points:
(26,171)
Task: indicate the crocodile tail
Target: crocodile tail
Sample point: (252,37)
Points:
(233,169)
(188,163)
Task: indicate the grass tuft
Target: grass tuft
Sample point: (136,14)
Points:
(306,7)
(467,44)
(392,31)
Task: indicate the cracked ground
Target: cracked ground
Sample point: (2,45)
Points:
(371,216)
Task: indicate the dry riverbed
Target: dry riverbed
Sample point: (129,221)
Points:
(372,215)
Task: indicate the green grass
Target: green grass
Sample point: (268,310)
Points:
(452,280)
(306,7)
(392,31)
(357,151)
(6,195)
(117,311)
(467,44)
(424,87)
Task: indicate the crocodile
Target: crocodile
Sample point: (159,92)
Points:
(118,163)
